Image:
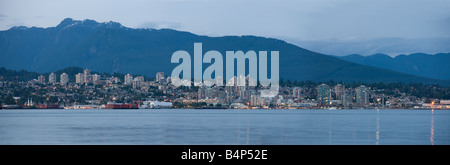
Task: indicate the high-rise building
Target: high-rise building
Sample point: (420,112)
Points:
(95,78)
(87,76)
(362,95)
(79,78)
(339,91)
(254,100)
(86,72)
(347,99)
(128,80)
(64,79)
(159,77)
(138,80)
(168,79)
(323,94)
(52,78)
(242,93)
(113,80)
(229,94)
(201,92)
(41,79)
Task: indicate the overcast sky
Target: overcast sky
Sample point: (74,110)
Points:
(294,20)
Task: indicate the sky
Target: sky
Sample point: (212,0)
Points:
(336,27)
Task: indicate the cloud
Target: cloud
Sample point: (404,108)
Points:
(7,22)
(2,17)
(159,25)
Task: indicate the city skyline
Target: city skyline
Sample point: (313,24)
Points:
(103,91)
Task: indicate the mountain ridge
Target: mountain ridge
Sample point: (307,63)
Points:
(420,64)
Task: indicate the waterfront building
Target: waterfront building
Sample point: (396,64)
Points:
(362,95)
(155,104)
(323,94)
(339,91)
(347,99)
(254,100)
(445,102)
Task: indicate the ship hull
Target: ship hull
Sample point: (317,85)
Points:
(50,106)
(121,106)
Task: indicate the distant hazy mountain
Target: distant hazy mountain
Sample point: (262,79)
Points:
(111,47)
(419,64)
(366,47)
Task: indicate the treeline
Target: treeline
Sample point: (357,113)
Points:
(21,75)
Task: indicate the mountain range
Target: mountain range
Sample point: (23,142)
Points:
(420,64)
(111,47)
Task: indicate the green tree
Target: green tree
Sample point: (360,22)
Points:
(9,100)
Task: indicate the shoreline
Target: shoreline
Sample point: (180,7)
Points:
(20,109)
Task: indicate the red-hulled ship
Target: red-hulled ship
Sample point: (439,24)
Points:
(49,106)
(120,106)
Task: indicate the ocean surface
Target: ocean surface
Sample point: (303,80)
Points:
(235,127)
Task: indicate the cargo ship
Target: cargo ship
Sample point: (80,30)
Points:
(49,106)
(28,107)
(10,107)
(120,106)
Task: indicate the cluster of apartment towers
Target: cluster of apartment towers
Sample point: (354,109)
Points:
(324,95)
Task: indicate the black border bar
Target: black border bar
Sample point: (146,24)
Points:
(149,154)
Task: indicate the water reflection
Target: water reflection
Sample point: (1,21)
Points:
(377,133)
(432,128)
(330,132)
(239,135)
(248,132)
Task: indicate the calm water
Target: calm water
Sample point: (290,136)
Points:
(177,126)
